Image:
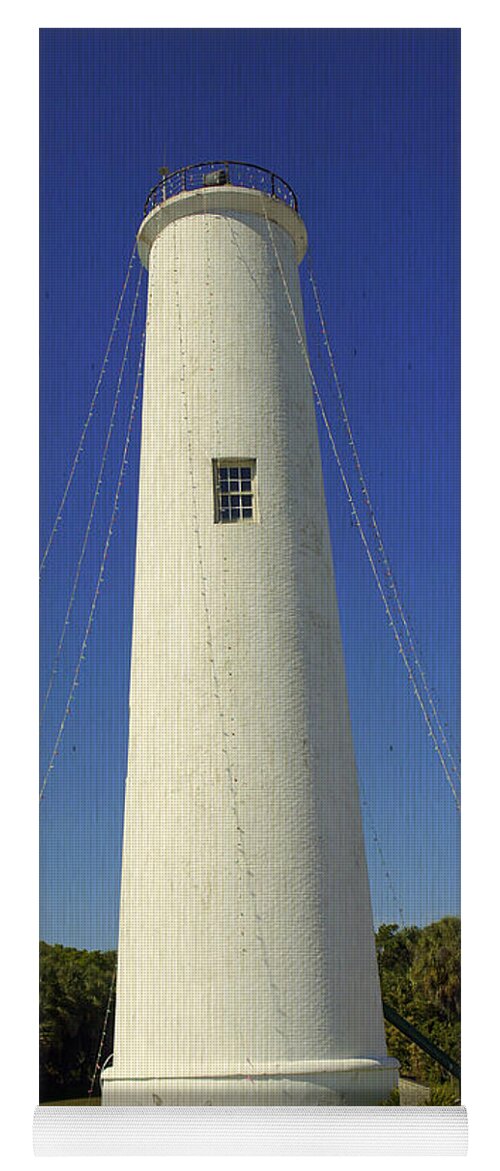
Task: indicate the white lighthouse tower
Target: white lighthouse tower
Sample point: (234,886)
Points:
(246,964)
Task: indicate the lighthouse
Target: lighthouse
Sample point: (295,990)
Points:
(246,962)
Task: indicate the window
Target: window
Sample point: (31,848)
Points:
(234,489)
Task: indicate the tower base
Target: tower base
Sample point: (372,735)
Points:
(359,1082)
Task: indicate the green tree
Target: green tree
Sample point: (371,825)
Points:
(74,990)
(420,977)
(435,969)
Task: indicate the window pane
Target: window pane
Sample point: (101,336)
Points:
(234,491)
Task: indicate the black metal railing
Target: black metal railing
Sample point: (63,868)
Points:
(217,175)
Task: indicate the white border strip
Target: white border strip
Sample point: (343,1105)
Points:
(250,1130)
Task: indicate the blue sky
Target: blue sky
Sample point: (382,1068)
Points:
(364,124)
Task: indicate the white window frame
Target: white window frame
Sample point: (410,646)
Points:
(234,462)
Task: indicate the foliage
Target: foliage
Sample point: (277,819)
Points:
(445,1094)
(74,990)
(420,977)
(419,973)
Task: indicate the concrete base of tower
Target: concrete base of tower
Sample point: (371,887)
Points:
(359,1082)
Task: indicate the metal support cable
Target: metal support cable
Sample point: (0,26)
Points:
(378,846)
(97,1066)
(90,413)
(375,526)
(100,576)
(94,503)
(387,609)
(355,515)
